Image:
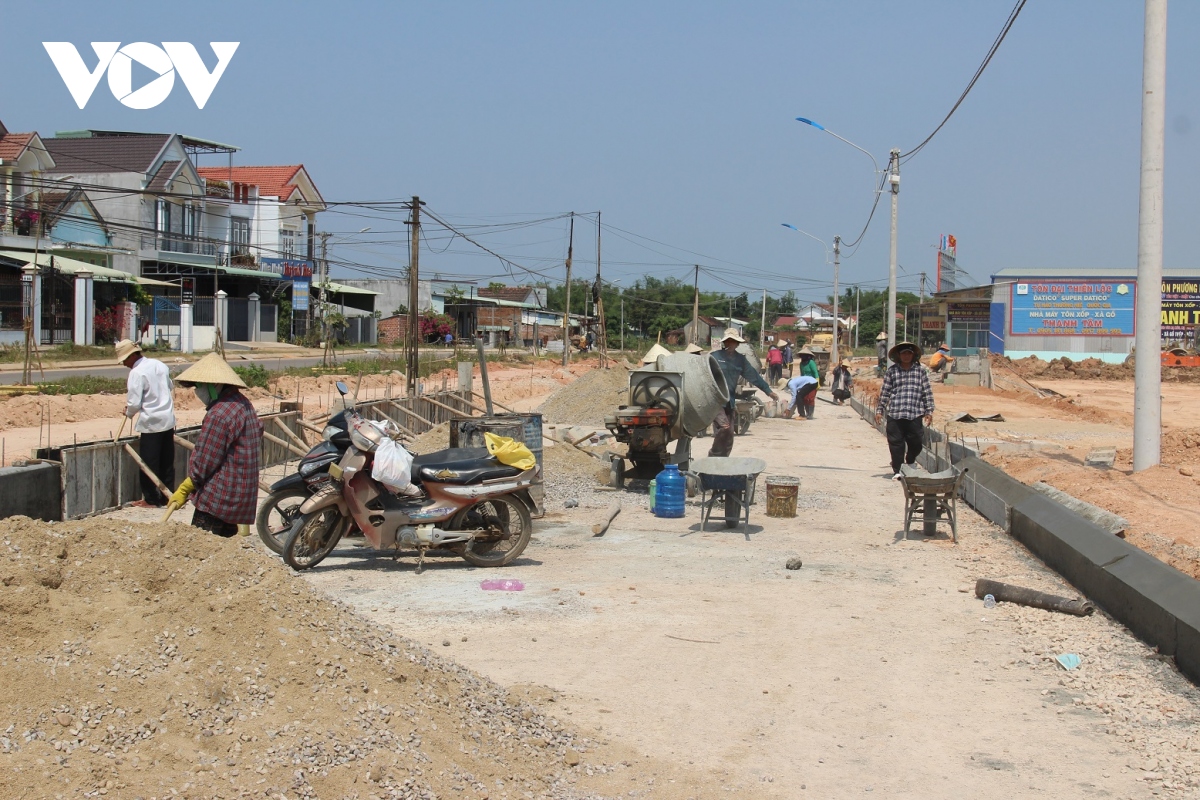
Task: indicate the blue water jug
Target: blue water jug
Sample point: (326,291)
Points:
(670,490)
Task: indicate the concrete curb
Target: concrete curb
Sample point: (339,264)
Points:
(1157,602)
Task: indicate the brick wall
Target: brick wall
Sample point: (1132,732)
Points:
(392,329)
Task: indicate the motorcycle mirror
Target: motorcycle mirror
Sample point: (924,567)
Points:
(342,388)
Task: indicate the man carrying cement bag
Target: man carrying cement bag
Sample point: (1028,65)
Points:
(223,471)
(733,366)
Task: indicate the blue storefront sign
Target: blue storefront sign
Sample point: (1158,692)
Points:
(300,295)
(1078,307)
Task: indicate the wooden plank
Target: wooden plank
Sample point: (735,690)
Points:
(290,434)
(287,445)
(80,470)
(148,472)
(412,414)
(105,476)
(453,411)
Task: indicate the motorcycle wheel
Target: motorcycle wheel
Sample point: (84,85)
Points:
(509,525)
(312,537)
(275,518)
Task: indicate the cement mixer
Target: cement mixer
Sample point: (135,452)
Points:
(673,400)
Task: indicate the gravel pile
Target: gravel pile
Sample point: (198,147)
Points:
(589,398)
(158,661)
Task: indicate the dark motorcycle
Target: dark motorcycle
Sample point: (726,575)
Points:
(282,505)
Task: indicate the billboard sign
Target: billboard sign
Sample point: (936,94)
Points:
(300,295)
(1072,308)
(287,267)
(1180,309)
(969,311)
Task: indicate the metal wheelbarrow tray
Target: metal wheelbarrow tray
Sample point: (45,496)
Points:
(730,479)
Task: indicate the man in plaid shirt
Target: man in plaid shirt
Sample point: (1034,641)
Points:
(906,398)
(223,470)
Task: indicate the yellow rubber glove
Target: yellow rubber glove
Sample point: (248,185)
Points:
(181,494)
(179,498)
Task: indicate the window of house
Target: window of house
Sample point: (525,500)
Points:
(189,221)
(163,219)
(241,236)
(287,244)
(968,336)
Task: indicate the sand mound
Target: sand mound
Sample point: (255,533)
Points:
(589,398)
(155,661)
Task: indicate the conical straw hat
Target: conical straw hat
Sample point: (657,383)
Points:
(693,348)
(653,353)
(210,369)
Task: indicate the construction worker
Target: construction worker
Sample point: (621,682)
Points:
(149,391)
(693,349)
(881,350)
(733,366)
(941,359)
(223,471)
(906,398)
(842,382)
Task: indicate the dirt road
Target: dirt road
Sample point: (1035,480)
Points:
(868,670)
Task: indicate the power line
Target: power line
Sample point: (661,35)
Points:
(1012,17)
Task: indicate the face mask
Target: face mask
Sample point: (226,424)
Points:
(206,393)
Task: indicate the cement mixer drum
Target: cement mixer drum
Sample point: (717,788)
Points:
(704,391)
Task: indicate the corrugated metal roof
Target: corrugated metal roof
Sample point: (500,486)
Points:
(70,266)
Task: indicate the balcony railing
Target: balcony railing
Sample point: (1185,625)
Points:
(174,243)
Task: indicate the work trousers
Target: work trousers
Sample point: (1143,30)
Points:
(905,438)
(722,444)
(207,522)
(158,451)
(775,372)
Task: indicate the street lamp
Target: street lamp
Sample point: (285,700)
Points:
(837,250)
(894,183)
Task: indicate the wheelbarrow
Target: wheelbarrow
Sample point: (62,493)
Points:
(731,480)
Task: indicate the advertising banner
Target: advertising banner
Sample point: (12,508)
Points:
(1180,309)
(969,311)
(300,295)
(287,267)
(1072,308)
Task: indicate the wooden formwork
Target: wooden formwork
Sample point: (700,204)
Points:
(101,476)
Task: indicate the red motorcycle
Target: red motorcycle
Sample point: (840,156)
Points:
(461,499)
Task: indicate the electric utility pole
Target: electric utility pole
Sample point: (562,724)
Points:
(323,279)
(696,306)
(857,315)
(602,334)
(1147,367)
(894,182)
(567,311)
(412,345)
(833,353)
(762,331)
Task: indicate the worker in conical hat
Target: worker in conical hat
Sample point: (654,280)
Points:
(694,349)
(222,476)
(734,365)
(654,352)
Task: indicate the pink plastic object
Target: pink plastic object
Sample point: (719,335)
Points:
(495,585)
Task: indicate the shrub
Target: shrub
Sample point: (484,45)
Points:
(254,375)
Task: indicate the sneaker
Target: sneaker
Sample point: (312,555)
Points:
(897,476)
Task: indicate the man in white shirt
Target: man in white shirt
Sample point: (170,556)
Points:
(149,392)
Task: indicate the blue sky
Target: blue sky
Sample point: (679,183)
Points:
(676,121)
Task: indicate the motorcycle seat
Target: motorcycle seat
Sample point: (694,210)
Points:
(461,465)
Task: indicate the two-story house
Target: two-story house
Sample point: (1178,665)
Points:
(197,237)
(47,220)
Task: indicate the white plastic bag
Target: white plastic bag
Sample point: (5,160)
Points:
(392,466)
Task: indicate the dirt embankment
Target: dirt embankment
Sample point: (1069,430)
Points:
(1032,367)
(144,661)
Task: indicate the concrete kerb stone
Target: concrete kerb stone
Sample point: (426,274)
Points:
(1158,603)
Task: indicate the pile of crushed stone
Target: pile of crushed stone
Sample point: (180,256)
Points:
(589,398)
(155,661)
